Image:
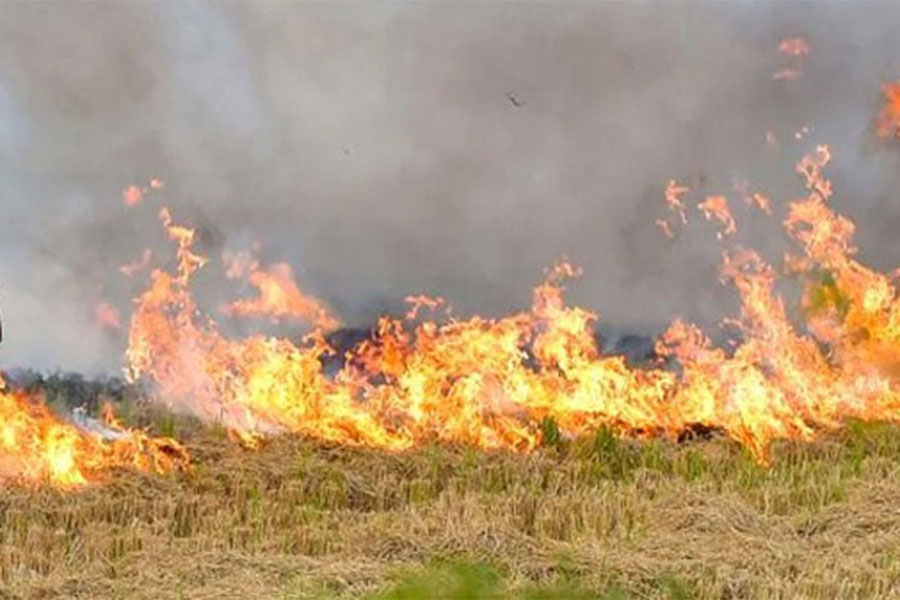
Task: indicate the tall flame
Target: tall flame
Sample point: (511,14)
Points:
(491,382)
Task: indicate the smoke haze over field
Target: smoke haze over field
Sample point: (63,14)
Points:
(376,149)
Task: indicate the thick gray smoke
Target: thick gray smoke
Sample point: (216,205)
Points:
(451,149)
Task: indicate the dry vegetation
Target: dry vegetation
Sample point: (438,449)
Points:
(595,518)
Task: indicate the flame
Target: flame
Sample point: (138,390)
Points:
(130,269)
(37,447)
(132,195)
(491,383)
(279,296)
(107,316)
(666,228)
(796,48)
(717,207)
(888,122)
(673,194)
(421,301)
(757,199)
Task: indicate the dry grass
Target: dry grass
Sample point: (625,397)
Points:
(592,518)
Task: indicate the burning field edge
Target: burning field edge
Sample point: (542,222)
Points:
(477,458)
(594,517)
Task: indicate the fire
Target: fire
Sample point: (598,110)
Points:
(796,48)
(888,122)
(461,381)
(279,296)
(132,195)
(107,316)
(419,302)
(490,383)
(717,207)
(37,447)
(673,194)
(130,269)
(757,199)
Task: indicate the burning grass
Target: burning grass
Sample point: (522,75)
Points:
(480,458)
(38,447)
(490,383)
(598,517)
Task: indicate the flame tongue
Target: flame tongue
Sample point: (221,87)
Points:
(35,446)
(888,122)
(490,382)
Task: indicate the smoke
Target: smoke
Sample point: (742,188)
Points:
(450,149)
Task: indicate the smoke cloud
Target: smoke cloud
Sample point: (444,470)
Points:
(449,149)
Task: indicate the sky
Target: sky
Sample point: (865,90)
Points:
(376,149)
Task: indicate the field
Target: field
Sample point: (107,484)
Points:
(597,517)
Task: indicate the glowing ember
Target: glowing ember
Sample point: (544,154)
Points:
(132,195)
(37,447)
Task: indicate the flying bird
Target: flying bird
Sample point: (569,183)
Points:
(515,101)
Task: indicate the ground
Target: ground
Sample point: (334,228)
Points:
(599,517)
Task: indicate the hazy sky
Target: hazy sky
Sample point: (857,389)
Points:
(374,147)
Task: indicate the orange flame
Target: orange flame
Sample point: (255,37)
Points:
(279,296)
(132,268)
(673,194)
(491,382)
(796,48)
(107,316)
(37,447)
(132,195)
(666,228)
(421,301)
(717,207)
(888,122)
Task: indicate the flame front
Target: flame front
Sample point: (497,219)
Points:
(491,382)
(37,447)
